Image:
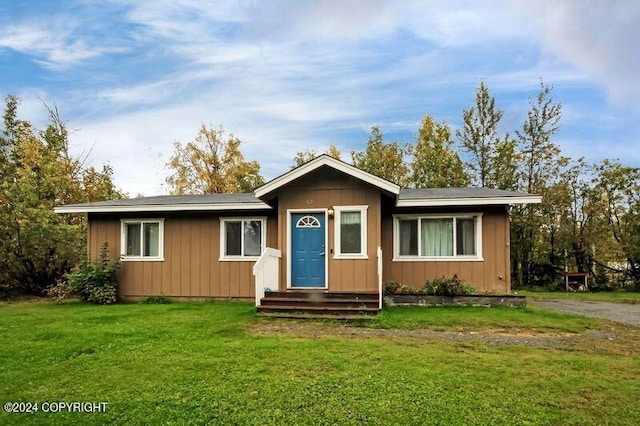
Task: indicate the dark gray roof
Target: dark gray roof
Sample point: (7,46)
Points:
(444,193)
(171,203)
(248,201)
(164,200)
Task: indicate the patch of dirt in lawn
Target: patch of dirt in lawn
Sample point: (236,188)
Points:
(613,339)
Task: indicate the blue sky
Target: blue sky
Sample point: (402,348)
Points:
(132,77)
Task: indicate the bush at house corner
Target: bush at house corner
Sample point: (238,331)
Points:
(94,281)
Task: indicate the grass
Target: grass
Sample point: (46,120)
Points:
(200,363)
(479,318)
(600,296)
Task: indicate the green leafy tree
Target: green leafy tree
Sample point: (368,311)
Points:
(334,152)
(587,239)
(303,157)
(552,245)
(577,216)
(506,160)
(37,246)
(435,161)
(541,162)
(539,154)
(479,137)
(212,163)
(619,187)
(385,160)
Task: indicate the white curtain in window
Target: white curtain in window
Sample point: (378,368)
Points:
(350,218)
(252,237)
(151,239)
(437,237)
(350,232)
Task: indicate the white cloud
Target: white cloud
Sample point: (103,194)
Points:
(138,144)
(306,110)
(140,94)
(602,38)
(529,79)
(446,22)
(598,149)
(54,44)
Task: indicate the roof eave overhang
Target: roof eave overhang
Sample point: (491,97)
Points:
(318,162)
(442,202)
(162,208)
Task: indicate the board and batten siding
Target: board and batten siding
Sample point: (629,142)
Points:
(191,268)
(484,276)
(324,189)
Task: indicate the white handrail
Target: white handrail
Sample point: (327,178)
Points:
(267,272)
(379,254)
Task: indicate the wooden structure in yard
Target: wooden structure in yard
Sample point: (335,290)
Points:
(576,281)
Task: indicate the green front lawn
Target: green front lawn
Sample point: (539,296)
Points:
(600,296)
(479,318)
(207,363)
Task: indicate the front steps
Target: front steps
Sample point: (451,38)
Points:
(318,305)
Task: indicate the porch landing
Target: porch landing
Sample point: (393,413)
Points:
(312,304)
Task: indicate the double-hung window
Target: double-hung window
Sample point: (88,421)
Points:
(142,239)
(438,237)
(350,232)
(242,238)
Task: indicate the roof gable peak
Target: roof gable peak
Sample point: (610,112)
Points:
(326,160)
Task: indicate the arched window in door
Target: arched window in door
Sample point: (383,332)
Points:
(308,222)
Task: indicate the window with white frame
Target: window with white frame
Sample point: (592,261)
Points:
(437,237)
(142,239)
(242,238)
(350,232)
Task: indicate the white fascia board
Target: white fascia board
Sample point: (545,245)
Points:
(162,208)
(331,162)
(440,202)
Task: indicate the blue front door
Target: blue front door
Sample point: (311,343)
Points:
(308,250)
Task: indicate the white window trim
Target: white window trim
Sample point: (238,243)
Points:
(223,239)
(123,241)
(363,232)
(455,258)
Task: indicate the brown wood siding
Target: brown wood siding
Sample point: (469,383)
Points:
(324,189)
(191,268)
(490,275)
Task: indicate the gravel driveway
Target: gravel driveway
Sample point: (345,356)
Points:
(619,312)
